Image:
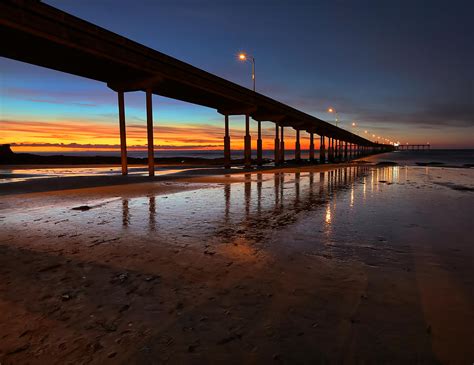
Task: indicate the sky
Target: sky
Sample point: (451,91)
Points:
(402,70)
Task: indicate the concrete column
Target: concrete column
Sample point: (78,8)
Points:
(259,144)
(297,146)
(247,143)
(149,128)
(277,146)
(345,150)
(311,147)
(331,150)
(226,143)
(282,146)
(322,150)
(123,137)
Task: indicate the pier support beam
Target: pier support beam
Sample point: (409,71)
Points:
(322,150)
(345,151)
(297,146)
(277,145)
(227,144)
(282,146)
(247,143)
(311,147)
(330,149)
(123,136)
(259,144)
(149,129)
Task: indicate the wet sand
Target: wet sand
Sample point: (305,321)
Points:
(355,264)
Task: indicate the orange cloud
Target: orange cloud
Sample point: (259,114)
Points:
(73,135)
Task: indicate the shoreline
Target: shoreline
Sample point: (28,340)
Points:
(168,174)
(207,174)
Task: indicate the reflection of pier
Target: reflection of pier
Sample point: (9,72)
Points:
(413,147)
(42,35)
(304,192)
(268,201)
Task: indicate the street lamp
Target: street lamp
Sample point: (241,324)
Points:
(354,125)
(332,110)
(245,57)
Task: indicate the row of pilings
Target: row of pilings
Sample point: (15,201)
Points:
(331,150)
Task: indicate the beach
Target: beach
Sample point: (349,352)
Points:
(354,263)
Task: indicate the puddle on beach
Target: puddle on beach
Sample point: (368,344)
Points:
(30,174)
(328,204)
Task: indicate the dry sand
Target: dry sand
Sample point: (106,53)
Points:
(352,265)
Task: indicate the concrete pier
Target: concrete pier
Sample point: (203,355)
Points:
(282,145)
(227,159)
(297,146)
(322,150)
(259,144)
(247,143)
(123,136)
(311,147)
(277,145)
(149,129)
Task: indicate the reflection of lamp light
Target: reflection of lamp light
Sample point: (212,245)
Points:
(245,57)
(328,214)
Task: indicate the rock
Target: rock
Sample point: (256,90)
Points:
(19,349)
(82,208)
(5,150)
(66,296)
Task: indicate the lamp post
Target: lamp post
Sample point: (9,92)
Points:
(332,110)
(354,125)
(245,57)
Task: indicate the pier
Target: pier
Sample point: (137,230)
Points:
(413,147)
(42,35)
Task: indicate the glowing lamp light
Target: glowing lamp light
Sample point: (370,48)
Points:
(331,110)
(365,132)
(242,57)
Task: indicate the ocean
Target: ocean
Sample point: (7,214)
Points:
(448,157)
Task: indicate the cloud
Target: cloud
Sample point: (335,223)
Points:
(90,146)
(68,133)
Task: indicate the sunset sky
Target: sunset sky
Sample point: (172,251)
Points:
(401,69)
